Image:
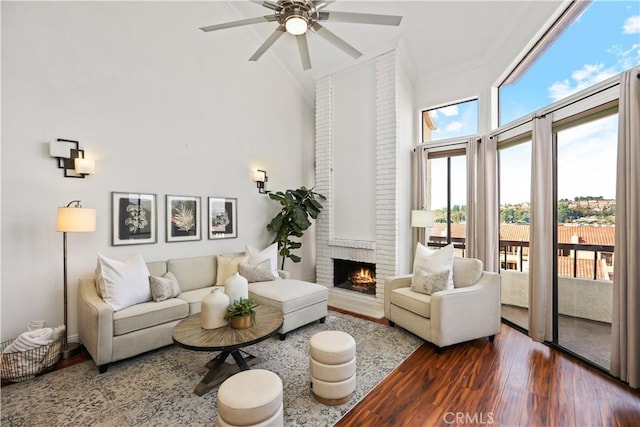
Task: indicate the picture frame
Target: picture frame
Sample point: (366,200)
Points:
(133,218)
(222,218)
(183,218)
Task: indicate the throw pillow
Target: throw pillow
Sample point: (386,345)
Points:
(256,256)
(227,267)
(435,261)
(163,288)
(256,273)
(123,283)
(429,283)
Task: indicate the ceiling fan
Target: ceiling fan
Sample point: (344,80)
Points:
(297,16)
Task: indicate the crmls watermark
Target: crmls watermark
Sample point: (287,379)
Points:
(475,418)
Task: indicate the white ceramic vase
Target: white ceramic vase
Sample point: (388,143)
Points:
(236,287)
(213,308)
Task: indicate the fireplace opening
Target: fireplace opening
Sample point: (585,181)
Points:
(354,276)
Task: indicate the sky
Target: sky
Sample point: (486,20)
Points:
(602,42)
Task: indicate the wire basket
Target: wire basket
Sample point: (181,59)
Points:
(25,365)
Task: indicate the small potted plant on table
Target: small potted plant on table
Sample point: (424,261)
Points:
(241,313)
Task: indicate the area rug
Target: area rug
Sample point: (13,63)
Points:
(156,388)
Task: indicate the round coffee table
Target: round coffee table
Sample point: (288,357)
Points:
(228,341)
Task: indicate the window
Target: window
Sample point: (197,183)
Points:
(448,199)
(450,121)
(589,43)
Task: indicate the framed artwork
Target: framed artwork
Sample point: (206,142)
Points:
(222,218)
(133,218)
(183,218)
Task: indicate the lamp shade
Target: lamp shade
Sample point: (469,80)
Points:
(421,218)
(85,166)
(76,220)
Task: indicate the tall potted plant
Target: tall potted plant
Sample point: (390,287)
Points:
(299,207)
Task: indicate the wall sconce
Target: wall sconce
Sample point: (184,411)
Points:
(261,179)
(71,158)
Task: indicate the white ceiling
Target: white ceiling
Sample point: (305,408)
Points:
(440,37)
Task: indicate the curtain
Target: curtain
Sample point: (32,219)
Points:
(472,242)
(482,202)
(541,251)
(625,322)
(419,187)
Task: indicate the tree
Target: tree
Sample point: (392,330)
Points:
(298,208)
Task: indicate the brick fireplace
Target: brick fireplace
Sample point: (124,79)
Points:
(382,245)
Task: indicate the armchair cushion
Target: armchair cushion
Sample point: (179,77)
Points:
(418,303)
(434,262)
(466,271)
(426,282)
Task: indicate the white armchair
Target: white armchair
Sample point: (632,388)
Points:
(469,311)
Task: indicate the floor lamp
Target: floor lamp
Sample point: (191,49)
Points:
(422,219)
(74,219)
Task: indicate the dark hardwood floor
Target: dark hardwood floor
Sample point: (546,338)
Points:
(512,382)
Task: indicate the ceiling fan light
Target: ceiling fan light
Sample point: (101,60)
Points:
(296,25)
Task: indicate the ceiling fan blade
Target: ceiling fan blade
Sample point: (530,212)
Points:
(268,4)
(257,20)
(336,41)
(360,18)
(303,47)
(321,4)
(267,43)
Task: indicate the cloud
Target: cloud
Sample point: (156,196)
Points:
(583,78)
(626,58)
(451,110)
(632,25)
(454,126)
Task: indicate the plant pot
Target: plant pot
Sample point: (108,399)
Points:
(241,322)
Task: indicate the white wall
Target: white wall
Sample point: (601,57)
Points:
(354,153)
(407,140)
(162,107)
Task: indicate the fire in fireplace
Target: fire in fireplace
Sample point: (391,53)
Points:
(354,276)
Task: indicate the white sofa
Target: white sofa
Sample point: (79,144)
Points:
(470,311)
(110,336)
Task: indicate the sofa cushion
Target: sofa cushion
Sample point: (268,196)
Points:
(435,261)
(415,302)
(256,256)
(256,273)
(123,283)
(288,294)
(157,268)
(466,271)
(148,314)
(194,298)
(163,288)
(194,273)
(227,267)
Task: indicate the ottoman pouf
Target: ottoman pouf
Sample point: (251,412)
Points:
(332,367)
(251,398)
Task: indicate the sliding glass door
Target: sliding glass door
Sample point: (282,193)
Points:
(585,219)
(515,194)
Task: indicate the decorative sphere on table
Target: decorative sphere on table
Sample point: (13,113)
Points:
(236,287)
(213,308)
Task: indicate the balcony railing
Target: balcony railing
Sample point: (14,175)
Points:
(459,243)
